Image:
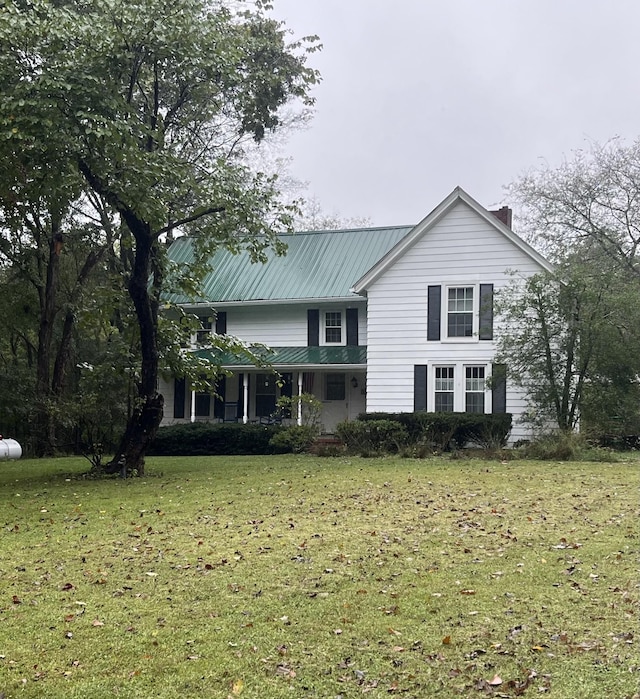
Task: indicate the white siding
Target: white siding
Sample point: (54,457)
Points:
(460,249)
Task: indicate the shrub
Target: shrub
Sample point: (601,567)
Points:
(565,446)
(296,439)
(445,431)
(208,439)
(372,436)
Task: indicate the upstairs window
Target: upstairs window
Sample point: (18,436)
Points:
(203,336)
(333,328)
(460,311)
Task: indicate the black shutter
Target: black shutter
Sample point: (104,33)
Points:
(221,322)
(499,388)
(419,387)
(486,312)
(434,308)
(179,394)
(240,413)
(218,401)
(313,327)
(352,326)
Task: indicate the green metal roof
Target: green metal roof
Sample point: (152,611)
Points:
(292,356)
(318,264)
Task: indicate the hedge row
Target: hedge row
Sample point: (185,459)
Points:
(223,439)
(393,432)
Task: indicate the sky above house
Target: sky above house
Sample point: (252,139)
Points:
(419,96)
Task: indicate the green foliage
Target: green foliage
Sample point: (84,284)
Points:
(137,112)
(294,438)
(567,338)
(564,446)
(372,437)
(429,432)
(203,438)
(306,404)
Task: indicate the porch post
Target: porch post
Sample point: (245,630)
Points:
(245,394)
(193,405)
(299,418)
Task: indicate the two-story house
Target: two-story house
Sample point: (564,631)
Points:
(375,319)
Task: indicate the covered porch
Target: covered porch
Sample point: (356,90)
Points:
(336,376)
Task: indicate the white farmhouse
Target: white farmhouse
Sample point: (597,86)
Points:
(375,319)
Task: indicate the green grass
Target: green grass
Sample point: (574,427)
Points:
(305,577)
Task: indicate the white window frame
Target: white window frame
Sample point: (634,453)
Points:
(459,385)
(468,390)
(444,325)
(437,367)
(343,327)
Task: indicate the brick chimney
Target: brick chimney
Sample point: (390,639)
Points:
(503,214)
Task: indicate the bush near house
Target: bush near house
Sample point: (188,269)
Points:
(393,432)
(216,439)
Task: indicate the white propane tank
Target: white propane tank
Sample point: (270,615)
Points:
(9,449)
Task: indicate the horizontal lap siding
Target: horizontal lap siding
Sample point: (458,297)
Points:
(285,326)
(278,326)
(461,248)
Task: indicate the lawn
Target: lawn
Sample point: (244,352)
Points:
(297,576)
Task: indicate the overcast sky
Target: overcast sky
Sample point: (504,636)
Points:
(418,96)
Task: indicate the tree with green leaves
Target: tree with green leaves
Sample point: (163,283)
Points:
(571,338)
(146,104)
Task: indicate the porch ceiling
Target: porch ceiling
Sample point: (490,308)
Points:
(289,357)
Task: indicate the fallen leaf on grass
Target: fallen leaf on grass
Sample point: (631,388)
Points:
(446,641)
(467,592)
(237,687)
(97,622)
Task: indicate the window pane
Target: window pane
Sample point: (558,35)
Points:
(460,325)
(444,403)
(335,387)
(461,299)
(474,403)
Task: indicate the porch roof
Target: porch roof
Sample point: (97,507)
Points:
(290,357)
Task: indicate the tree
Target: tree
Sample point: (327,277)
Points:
(149,102)
(569,339)
(594,198)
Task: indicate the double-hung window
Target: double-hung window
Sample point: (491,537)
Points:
(460,311)
(203,336)
(444,389)
(333,328)
(474,389)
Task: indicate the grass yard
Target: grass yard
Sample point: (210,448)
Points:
(298,576)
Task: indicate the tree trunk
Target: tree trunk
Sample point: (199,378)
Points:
(147,414)
(45,432)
